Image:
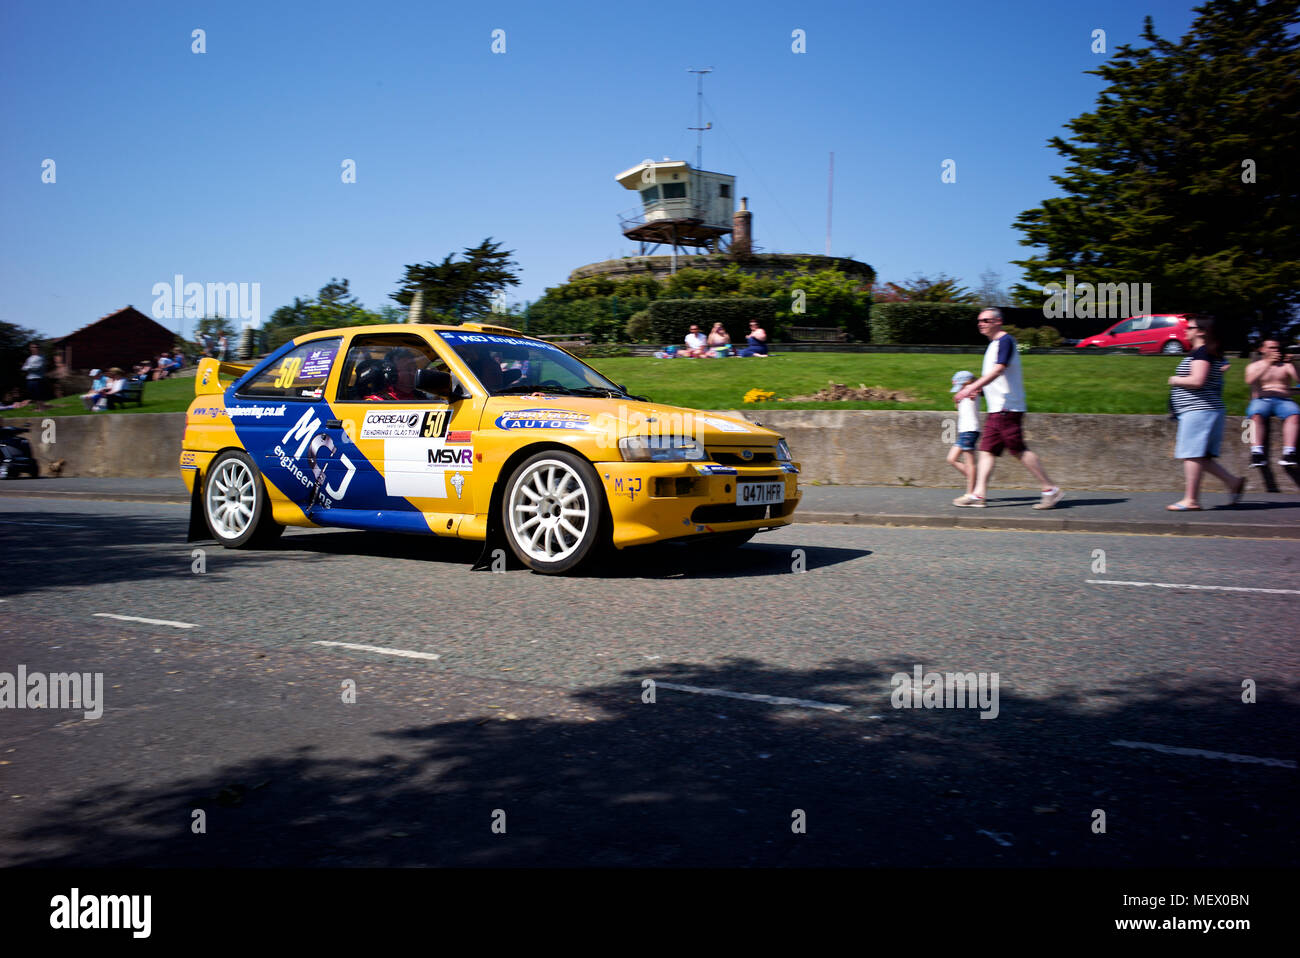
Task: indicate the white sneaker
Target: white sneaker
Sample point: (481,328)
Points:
(973,502)
(1050,499)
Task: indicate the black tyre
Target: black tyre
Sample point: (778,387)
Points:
(1172,348)
(553,512)
(235,506)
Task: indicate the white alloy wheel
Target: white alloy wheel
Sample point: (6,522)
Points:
(553,509)
(234,502)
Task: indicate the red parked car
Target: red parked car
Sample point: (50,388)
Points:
(1159,333)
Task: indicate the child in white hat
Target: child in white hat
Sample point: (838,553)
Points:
(962,454)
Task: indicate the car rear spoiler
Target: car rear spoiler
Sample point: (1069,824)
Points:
(213,375)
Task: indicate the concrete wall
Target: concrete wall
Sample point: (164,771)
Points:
(847,447)
(131,445)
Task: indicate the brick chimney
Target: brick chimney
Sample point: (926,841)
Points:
(742,237)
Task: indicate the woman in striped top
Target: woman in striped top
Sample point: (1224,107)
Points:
(1196,397)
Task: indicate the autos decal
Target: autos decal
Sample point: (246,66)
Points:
(543,419)
(494,339)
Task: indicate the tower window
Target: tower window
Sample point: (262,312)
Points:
(724,191)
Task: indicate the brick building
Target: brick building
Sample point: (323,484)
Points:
(121,339)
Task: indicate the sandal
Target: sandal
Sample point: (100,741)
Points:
(1179,507)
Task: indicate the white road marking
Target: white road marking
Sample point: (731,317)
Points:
(136,618)
(752,697)
(1207,588)
(404,653)
(1203,753)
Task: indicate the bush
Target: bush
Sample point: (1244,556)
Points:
(671,318)
(1043,336)
(599,350)
(638,328)
(948,324)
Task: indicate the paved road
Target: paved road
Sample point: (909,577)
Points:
(533,707)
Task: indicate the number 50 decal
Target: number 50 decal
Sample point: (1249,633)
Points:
(288,373)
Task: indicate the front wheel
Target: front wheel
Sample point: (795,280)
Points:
(1172,348)
(553,511)
(234,503)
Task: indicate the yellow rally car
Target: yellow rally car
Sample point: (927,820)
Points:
(475,432)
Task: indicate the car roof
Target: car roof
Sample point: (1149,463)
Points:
(411,327)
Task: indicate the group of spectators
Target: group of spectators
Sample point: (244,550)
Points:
(1195,401)
(717,344)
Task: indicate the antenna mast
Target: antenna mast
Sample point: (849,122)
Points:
(699,113)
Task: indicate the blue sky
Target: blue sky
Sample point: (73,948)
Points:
(225,166)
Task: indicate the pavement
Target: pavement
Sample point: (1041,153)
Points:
(1260,515)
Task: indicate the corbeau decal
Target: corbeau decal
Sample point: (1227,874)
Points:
(405,423)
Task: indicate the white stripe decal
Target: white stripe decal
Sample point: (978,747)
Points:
(403,653)
(1202,753)
(136,618)
(752,697)
(1206,588)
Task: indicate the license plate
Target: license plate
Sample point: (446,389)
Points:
(759,493)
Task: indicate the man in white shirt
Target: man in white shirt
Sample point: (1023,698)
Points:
(1004,398)
(696,342)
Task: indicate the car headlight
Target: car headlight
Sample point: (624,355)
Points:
(783,453)
(660,449)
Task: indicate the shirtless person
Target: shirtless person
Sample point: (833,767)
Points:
(1270,379)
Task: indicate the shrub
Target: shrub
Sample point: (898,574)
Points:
(638,328)
(1044,336)
(599,350)
(671,318)
(924,324)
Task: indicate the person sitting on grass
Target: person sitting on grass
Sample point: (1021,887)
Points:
(719,341)
(756,341)
(98,382)
(99,400)
(696,344)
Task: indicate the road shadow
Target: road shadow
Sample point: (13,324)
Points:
(608,778)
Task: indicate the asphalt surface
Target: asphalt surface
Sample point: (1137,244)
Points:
(1260,515)
(533,713)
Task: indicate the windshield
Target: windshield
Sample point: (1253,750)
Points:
(513,364)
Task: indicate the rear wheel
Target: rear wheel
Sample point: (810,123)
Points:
(235,505)
(1172,348)
(553,511)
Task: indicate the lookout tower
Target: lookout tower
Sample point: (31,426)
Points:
(680,206)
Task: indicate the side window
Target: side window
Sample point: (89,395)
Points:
(386,368)
(1124,327)
(1141,323)
(1163,322)
(299,373)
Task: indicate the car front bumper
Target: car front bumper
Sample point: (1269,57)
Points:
(655,502)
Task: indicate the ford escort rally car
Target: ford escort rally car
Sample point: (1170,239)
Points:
(474,432)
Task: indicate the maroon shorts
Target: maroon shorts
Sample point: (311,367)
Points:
(1002,431)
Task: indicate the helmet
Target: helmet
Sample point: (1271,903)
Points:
(374,375)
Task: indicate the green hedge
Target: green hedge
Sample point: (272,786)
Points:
(915,324)
(670,319)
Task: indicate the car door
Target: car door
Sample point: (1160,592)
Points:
(278,414)
(415,447)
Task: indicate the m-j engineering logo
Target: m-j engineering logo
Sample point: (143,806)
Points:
(56,690)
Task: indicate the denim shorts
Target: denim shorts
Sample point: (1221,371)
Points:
(1199,433)
(1277,406)
(966,440)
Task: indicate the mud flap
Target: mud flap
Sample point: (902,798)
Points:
(198,529)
